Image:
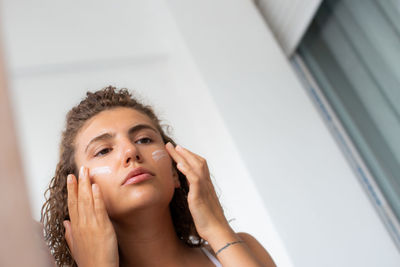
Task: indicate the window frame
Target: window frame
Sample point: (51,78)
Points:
(348,149)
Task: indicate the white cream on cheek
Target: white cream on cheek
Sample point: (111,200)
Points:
(100,170)
(159,154)
(156,155)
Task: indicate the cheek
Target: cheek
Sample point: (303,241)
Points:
(163,162)
(107,192)
(100,171)
(159,155)
(102,176)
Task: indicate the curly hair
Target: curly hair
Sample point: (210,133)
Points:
(55,209)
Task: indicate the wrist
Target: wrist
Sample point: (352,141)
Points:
(221,237)
(215,231)
(228,245)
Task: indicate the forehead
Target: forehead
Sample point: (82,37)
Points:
(112,120)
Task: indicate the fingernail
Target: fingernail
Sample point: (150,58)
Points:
(69,178)
(180,166)
(81,172)
(95,188)
(179,148)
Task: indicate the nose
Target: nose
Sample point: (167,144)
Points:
(130,154)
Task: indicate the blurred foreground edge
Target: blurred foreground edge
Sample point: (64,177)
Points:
(19,242)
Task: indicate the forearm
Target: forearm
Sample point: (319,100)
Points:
(238,254)
(209,217)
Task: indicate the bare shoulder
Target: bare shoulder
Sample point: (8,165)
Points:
(257,249)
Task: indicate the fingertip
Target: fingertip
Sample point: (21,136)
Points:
(69,179)
(181,167)
(95,189)
(66,224)
(84,174)
(81,171)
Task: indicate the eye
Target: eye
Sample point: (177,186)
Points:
(102,152)
(144,140)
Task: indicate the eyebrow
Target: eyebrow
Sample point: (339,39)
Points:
(107,136)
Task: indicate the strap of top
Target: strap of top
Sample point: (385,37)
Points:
(211,257)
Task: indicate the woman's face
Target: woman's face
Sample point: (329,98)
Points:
(116,142)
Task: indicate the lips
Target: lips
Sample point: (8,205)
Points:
(137,175)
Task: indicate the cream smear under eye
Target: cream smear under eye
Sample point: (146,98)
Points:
(158,154)
(100,170)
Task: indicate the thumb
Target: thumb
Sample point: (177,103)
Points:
(68,234)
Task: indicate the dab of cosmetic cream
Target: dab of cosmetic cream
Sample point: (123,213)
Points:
(158,154)
(100,170)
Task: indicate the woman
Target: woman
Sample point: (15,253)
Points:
(125,195)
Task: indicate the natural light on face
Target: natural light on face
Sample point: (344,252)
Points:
(159,154)
(100,170)
(108,145)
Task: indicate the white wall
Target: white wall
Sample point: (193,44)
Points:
(57,51)
(315,201)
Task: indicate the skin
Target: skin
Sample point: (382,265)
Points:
(107,216)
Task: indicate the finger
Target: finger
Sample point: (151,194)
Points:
(72,197)
(197,163)
(99,206)
(181,163)
(193,159)
(85,198)
(174,154)
(68,234)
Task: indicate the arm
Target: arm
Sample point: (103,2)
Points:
(209,217)
(249,253)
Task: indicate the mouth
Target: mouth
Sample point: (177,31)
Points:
(137,175)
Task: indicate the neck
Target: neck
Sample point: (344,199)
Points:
(149,239)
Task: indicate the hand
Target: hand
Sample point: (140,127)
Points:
(207,213)
(90,234)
